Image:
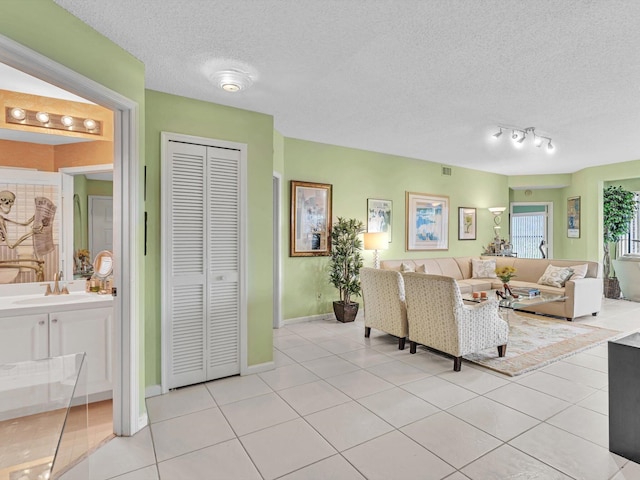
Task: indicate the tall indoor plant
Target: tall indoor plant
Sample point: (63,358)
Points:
(345,265)
(619,207)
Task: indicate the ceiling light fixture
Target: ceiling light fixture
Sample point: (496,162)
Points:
(232,80)
(519,135)
(55,121)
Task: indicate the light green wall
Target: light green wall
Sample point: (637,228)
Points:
(101,188)
(631,184)
(48,29)
(278,152)
(357,175)
(80,228)
(532,182)
(588,184)
(170,113)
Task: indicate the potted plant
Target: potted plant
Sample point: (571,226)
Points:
(619,207)
(345,265)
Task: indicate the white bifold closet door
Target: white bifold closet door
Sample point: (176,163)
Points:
(203,226)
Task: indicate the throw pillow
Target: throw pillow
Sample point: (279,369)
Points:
(421,268)
(555,276)
(483,268)
(579,271)
(405,267)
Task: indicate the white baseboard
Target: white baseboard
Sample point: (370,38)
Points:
(322,316)
(152,391)
(143,421)
(259,368)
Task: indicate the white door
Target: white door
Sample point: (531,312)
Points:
(100,224)
(201,263)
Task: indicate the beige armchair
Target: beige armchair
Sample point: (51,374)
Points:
(439,319)
(384,308)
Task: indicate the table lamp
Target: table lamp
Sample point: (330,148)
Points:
(376,241)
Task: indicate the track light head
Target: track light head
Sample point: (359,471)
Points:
(514,135)
(524,135)
(537,140)
(496,135)
(549,146)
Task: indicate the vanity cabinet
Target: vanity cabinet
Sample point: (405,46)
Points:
(34,337)
(24,337)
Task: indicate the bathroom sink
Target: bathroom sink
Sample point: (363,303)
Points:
(54,299)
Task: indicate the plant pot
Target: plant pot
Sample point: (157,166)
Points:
(345,312)
(611,288)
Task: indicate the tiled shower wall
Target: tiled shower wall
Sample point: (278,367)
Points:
(23,209)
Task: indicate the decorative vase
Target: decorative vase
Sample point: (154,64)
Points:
(345,312)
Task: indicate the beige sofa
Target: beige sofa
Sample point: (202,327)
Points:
(584,296)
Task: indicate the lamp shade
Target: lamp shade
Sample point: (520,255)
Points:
(497,210)
(376,241)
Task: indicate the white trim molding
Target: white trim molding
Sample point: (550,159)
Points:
(128,207)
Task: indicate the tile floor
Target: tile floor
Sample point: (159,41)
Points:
(340,407)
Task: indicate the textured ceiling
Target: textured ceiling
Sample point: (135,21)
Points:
(419,78)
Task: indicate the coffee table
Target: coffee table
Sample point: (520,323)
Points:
(519,303)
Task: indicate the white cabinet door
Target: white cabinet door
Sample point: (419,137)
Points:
(88,331)
(24,337)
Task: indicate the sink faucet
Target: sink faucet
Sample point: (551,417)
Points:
(56,285)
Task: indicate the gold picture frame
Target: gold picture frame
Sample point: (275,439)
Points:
(310,229)
(427,222)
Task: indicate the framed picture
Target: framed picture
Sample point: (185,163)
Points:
(466,223)
(427,222)
(573,217)
(379,216)
(310,219)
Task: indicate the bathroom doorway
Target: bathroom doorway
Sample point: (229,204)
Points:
(128,417)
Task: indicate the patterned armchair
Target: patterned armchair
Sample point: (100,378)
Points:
(384,307)
(439,319)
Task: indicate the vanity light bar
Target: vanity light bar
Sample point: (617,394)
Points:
(40,118)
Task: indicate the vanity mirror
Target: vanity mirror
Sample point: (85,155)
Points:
(103,264)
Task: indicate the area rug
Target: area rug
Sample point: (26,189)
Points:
(536,341)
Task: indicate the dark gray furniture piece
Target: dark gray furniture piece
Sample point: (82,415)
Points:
(624,397)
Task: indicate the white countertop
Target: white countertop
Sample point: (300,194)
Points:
(35,304)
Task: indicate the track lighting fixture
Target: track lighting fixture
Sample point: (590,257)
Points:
(519,135)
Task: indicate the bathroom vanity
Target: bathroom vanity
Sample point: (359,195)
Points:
(34,327)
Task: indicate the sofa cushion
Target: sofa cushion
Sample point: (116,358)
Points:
(555,276)
(476,284)
(483,268)
(449,268)
(579,271)
(407,267)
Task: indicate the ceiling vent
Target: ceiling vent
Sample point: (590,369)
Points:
(446,171)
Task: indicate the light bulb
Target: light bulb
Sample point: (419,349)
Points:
(230,87)
(538,141)
(66,120)
(89,124)
(43,117)
(18,113)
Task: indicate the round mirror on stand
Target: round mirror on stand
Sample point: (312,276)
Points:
(102,269)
